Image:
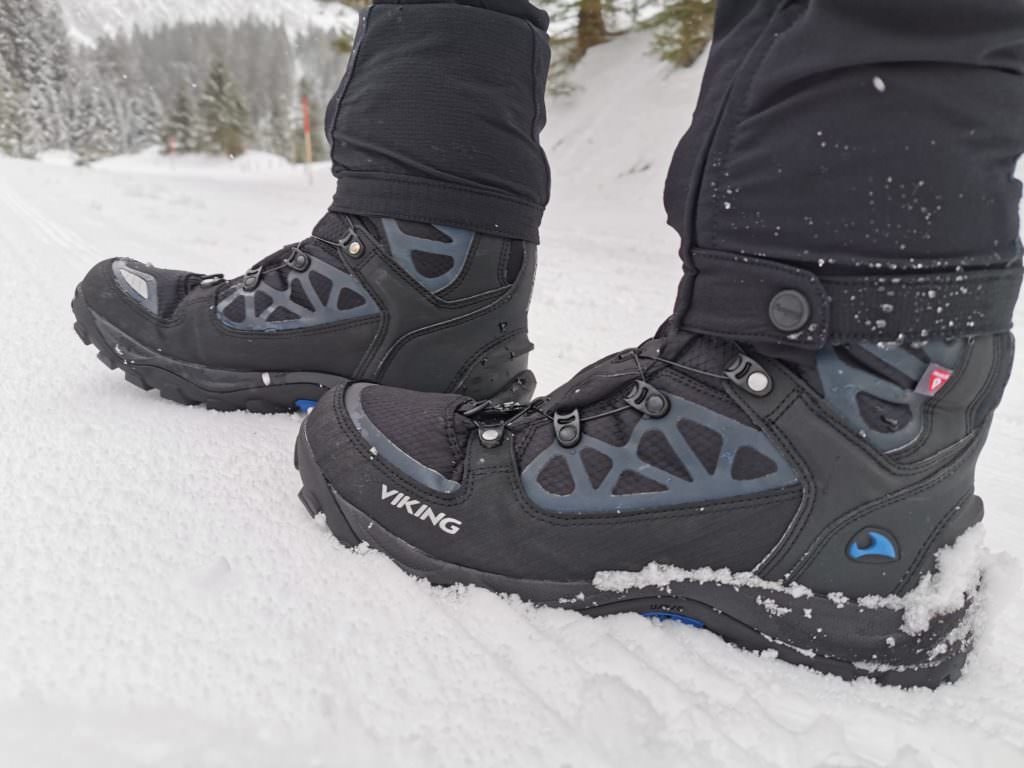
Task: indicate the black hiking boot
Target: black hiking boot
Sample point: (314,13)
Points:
(794,509)
(411,305)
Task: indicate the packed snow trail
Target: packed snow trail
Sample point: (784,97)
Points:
(167,601)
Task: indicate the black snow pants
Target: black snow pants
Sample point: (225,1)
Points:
(848,173)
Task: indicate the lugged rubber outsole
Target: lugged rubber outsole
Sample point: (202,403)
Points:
(814,631)
(219,389)
(179,382)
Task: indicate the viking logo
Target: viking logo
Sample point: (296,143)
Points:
(420,511)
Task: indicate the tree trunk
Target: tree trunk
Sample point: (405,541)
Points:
(590,28)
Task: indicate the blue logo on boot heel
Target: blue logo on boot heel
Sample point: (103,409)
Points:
(873,546)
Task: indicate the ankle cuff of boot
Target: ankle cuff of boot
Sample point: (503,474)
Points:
(754,300)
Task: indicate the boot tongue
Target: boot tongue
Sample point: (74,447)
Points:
(594,383)
(333,227)
(611,374)
(702,353)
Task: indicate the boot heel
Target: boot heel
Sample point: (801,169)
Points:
(519,389)
(500,373)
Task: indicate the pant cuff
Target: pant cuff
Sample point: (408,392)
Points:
(432,202)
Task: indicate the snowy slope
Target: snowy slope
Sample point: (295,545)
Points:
(167,601)
(94,18)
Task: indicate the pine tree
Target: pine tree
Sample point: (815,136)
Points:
(179,129)
(683,30)
(22,40)
(56,47)
(22,51)
(144,119)
(278,128)
(223,118)
(10,133)
(33,114)
(94,129)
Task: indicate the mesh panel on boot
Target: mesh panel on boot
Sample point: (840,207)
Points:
(614,429)
(706,443)
(432,264)
(556,478)
(261,302)
(517,254)
(324,293)
(281,314)
(631,482)
(172,287)
(423,231)
(656,466)
(298,296)
(321,286)
(750,465)
(656,451)
(235,310)
(332,227)
(533,440)
(421,425)
(597,465)
(349,299)
(706,353)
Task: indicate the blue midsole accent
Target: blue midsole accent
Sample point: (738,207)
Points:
(305,405)
(669,616)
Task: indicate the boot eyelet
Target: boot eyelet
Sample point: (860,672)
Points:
(355,249)
(299,261)
(491,435)
(758,382)
(648,400)
(750,376)
(251,279)
(568,428)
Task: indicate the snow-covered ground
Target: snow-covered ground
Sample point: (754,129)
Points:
(165,600)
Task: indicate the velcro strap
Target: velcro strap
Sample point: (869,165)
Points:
(760,301)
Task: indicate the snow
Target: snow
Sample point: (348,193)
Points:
(57,157)
(658,575)
(153,161)
(964,569)
(167,601)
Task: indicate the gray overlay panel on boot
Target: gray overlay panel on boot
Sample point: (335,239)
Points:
(137,284)
(387,450)
(842,383)
(403,247)
(705,486)
(322,312)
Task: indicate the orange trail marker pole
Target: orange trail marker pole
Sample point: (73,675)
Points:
(306,128)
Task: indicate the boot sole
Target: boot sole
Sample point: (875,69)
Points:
(821,632)
(215,388)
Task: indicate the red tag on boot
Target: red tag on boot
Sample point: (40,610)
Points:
(934,379)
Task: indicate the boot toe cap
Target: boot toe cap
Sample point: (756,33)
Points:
(413,435)
(118,288)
